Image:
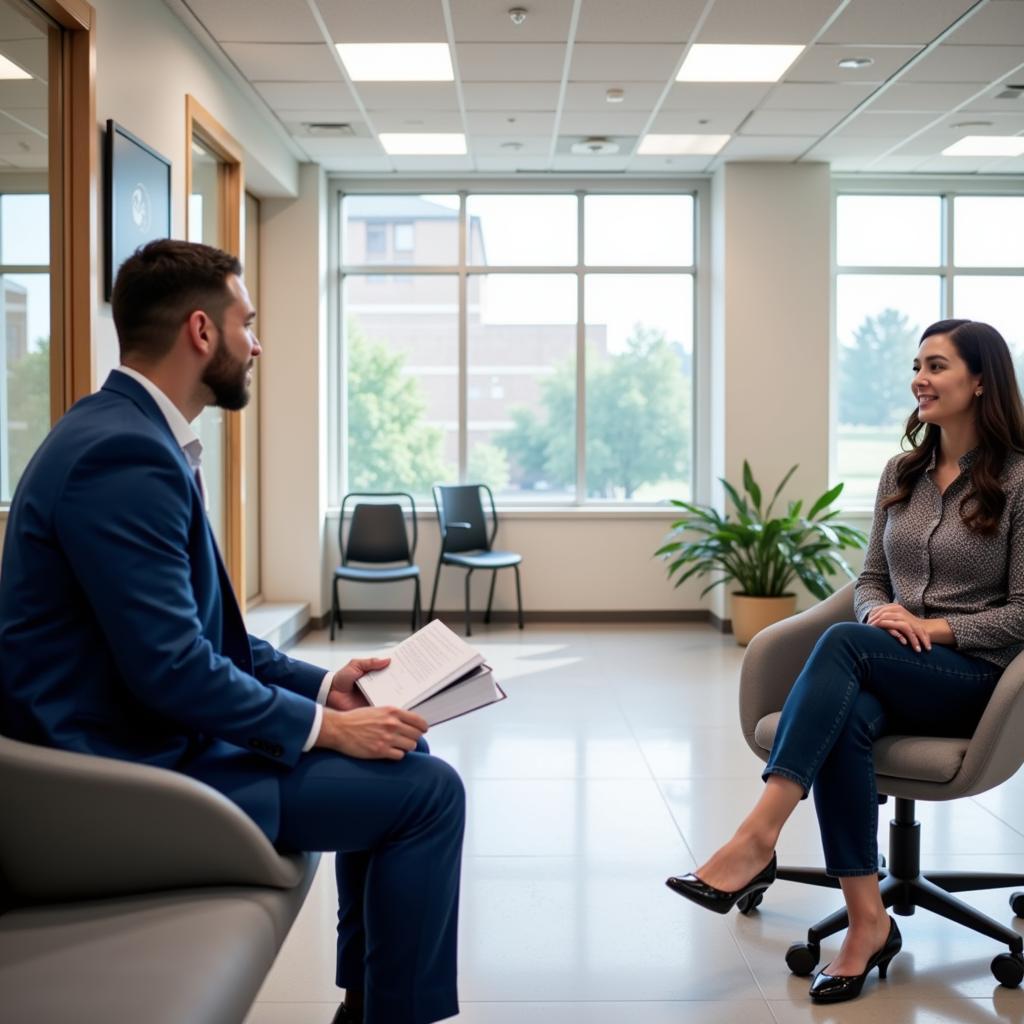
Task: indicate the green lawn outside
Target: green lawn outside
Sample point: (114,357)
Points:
(862,452)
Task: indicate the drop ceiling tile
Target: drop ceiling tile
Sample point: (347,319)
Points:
(28,118)
(301,115)
(800,96)
(634,62)
(284,62)
(639,21)
(999,21)
(493,164)
(23,94)
(384,21)
(591,95)
(791,122)
(873,123)
(432,163)
(30,54)
(322,148)
(753,147)
(487,21)
(715,95)
(691,122)
(953,165)
(257,21)
(28,161)
(510,123)
(417,121)
(754,21)
(835,147)
(669,164)
(359,165)
(518,62)
(599,122)
(591,164)
(501,96)
(882,21)
(302,95)
(918,96)
(819,63)
(626,144)
(495,145)
(989,103)
(894,164)
(980,64)
(1011,165)
(16,147)
(299,128)
(408,95)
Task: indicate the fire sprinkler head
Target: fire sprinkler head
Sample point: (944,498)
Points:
(517,14)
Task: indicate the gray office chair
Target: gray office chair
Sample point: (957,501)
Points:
(132,893)
(908,768)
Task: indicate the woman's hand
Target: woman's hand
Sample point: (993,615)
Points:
(907,628)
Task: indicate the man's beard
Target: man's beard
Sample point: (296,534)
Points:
(227,378)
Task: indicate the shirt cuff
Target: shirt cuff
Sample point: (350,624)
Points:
(318,713)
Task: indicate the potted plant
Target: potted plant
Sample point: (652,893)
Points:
(760,553)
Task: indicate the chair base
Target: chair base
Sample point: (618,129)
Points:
(905,888)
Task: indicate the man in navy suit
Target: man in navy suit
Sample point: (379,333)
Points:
(120,635)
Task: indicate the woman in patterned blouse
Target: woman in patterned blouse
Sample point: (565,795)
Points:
(940,613)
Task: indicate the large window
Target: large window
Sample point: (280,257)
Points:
(539,343)
(903,262)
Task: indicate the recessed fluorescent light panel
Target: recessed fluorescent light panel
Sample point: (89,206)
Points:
(397,62)
(10,71)
(739,62)
(681,145)
(423,143)
(987,145)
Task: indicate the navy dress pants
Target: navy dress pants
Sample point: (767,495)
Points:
(861,683)
(396,827)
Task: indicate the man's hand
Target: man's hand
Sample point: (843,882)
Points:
(907,628)
(371,733)
(343,696)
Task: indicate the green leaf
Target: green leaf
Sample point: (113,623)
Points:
(750,486)
(778,490)
(825,500)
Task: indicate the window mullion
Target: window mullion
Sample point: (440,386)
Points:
(947,252)
(463,375)
(581,361)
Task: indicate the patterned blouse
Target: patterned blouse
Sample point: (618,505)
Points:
(921,556)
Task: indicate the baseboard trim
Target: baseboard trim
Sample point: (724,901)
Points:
(456,618)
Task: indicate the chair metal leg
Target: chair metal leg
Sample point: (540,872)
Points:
(519,597)
(938,901)
(971,881)
(416,604)
(469,572)
(335,609)
(490,597)
(433,593)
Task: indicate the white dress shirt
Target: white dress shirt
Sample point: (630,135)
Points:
(192,448)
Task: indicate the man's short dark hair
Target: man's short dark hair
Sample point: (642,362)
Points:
(159,285)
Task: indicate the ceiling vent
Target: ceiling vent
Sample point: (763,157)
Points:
(329,129)
(595,146)
(1011,92)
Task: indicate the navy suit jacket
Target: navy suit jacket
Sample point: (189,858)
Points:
(119,631)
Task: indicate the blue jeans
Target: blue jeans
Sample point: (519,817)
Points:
(860,683)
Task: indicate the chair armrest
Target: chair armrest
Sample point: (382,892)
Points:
(775,656)
(995,751)
(76,826)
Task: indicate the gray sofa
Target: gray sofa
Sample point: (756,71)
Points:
(133,894)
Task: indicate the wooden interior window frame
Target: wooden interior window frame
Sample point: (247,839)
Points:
(202,127)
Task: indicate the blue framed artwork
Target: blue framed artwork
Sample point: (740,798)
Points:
(137,196)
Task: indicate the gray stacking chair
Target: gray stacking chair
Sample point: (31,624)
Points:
(908,768)
(133,893)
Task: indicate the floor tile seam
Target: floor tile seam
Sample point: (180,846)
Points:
(1002,821)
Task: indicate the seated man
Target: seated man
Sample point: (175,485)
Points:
(120,635)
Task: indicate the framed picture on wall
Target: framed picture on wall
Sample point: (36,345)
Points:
(137,197)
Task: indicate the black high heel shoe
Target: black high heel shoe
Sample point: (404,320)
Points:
(837,988)
(718,900)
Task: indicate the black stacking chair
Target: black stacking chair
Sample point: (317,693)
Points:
(378,539)
(466,541)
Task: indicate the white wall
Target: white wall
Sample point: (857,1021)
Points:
(146,62)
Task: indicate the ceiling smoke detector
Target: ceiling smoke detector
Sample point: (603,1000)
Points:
(615,95)
(595,146)
(518,15)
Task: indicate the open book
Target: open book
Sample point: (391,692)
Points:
(434,673)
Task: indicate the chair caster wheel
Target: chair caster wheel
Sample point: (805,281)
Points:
(1017,904)
(749,903)
(1008,969)
(802,958)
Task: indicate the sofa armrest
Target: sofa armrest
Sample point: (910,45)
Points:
(775,656)
(76,826)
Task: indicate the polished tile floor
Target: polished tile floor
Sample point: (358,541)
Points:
(616,761)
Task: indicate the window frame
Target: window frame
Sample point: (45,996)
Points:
(696,186)
(947,188)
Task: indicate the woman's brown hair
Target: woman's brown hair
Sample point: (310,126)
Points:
(1000,423)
